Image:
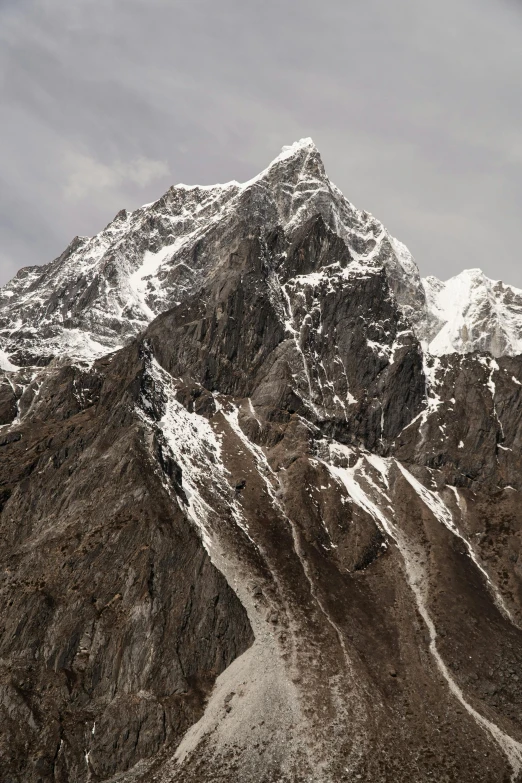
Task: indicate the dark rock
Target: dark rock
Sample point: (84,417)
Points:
(268,510)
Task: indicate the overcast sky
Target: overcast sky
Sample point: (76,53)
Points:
(415,105)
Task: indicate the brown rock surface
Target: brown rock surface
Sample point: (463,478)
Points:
(267,540)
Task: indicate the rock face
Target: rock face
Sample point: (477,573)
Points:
(255,528)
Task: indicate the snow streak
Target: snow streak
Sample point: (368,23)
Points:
(353,480)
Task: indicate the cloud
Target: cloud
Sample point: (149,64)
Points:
(86,176)
(416,107)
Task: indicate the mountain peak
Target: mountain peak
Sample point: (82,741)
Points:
(299,153)
(104,290)
(295,148)
(469,312)
(107,289)
(289,151)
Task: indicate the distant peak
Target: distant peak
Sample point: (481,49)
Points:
(474,274)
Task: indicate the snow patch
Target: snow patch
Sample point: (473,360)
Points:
(5,363)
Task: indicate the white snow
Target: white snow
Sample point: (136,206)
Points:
(5,363)
(196,448)
(253,412)
(469,313)
(441,512)
(347,477)
(141,279)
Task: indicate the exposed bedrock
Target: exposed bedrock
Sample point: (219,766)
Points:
(270,538)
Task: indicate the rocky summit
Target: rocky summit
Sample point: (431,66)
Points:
(261,501)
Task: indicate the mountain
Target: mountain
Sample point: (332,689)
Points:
(472,313)
(260,499)
(102,291)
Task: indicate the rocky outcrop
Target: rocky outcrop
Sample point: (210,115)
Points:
(270,536)
(116,624)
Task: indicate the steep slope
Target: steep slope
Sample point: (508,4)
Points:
(394,635)
(271,538)
(108,593)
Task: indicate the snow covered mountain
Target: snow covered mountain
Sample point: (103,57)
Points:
(104,290)
(260,500)
(472,313)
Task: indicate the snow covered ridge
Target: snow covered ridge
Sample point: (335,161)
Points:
(469,313)
(104,290)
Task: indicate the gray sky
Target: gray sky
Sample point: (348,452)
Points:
(415,105)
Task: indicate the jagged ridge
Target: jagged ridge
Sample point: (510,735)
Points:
(102,291)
